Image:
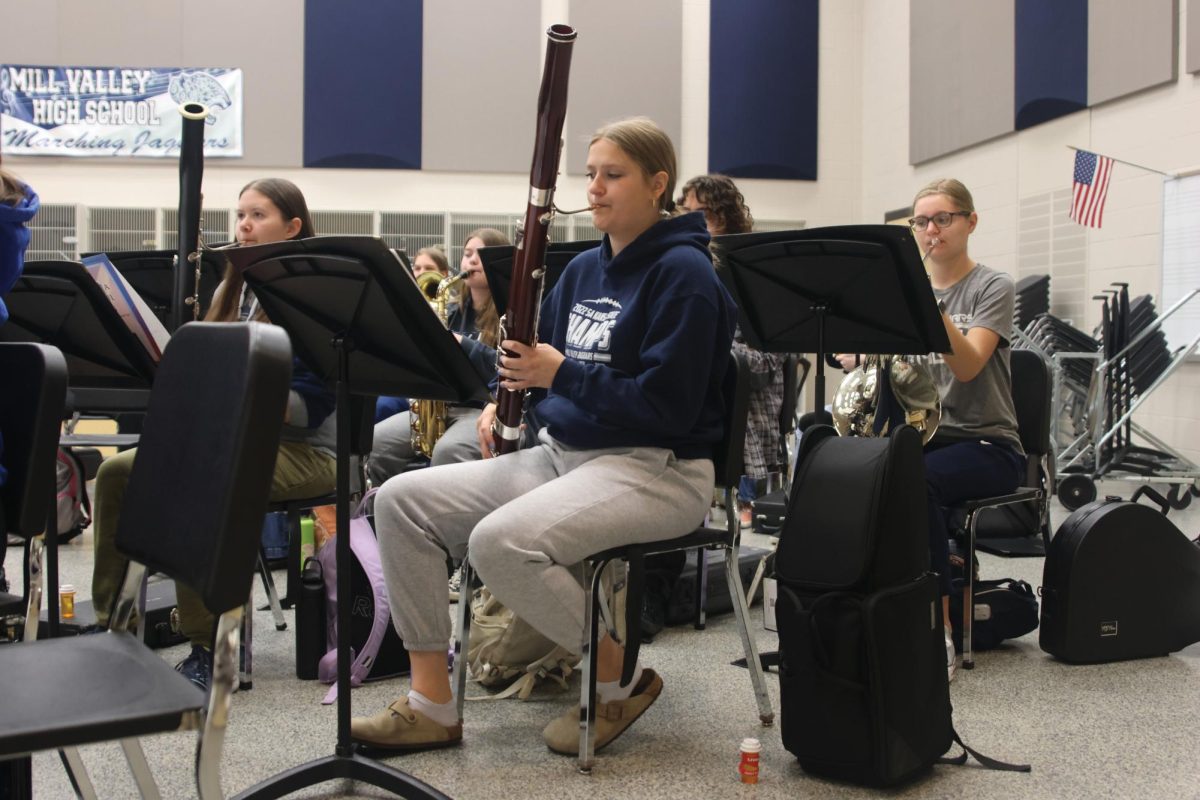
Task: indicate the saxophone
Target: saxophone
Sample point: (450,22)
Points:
(427,418)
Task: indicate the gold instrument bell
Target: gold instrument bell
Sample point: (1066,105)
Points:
(428,282)
(911,385)
(428,418)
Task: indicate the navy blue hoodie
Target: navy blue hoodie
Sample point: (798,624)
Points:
(646,337)
(14,238)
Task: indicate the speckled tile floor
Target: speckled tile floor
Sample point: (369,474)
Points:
(1124,730)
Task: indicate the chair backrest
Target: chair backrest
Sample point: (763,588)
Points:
(199,487)
(729,458)
(1031,399)
(31,412)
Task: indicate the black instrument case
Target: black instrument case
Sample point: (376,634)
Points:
(1120,582)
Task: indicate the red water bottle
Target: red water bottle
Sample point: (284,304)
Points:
(748,768)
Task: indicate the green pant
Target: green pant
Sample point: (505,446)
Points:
(300,471)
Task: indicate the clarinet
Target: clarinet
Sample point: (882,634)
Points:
(520,319)
(191,174)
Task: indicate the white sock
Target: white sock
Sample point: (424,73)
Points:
(442,713)
(609,691)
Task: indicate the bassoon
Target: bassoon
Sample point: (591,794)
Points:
(186,288)
(519,322)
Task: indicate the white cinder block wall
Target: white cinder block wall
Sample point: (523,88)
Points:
(862,162)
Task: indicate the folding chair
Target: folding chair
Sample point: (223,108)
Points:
(193,510)
(728,460)
(1031,398)
(31,410)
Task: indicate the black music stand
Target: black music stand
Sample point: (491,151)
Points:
(58,303)
(497,266)
(845,289)
(152,274)
(356,317)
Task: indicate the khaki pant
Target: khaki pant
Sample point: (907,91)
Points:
(300,471)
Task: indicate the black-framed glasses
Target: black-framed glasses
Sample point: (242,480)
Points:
(942,219)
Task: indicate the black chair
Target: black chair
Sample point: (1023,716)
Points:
(29,420)
(1031,399)
(728,460)
(193,510)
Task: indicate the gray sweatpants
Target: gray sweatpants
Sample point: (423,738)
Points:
(392,450)
(529,517)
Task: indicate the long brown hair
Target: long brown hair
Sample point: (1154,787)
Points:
(437,255)
(289,200)
(487,319)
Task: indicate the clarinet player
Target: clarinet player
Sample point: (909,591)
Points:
(626,379)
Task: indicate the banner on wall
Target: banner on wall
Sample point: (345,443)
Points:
(102,112)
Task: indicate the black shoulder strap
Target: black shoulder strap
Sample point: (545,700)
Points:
(990,763)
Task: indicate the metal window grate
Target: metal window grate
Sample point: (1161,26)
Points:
(114,229)
(62,231)
(53,234)
(411,232)
(214,225)
(462,224)
(344,223)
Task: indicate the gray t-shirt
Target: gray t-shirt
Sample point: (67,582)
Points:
(981,408)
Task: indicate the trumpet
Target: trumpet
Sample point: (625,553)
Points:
(428,418)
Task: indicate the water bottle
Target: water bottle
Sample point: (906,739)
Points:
(310,620)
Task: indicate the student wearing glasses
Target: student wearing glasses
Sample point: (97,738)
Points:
(977,450)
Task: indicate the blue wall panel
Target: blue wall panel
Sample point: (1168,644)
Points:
(762,95)
(362,83)
(1051,60)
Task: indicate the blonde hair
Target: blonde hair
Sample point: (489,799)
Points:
(953,189)
(648,145)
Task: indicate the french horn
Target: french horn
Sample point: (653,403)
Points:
(856,404)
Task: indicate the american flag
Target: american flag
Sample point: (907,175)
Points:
(1091,187)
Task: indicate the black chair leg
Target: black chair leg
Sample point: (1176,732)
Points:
(968,613)
(293,559)
(701,620)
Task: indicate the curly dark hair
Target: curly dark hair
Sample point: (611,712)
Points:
(723,201)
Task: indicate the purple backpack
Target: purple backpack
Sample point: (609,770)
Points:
(375,649)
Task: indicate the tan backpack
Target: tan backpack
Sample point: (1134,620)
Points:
(506,651)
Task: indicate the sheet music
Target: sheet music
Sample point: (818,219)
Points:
(132,309)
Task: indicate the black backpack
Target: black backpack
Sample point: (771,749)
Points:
(863,684)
